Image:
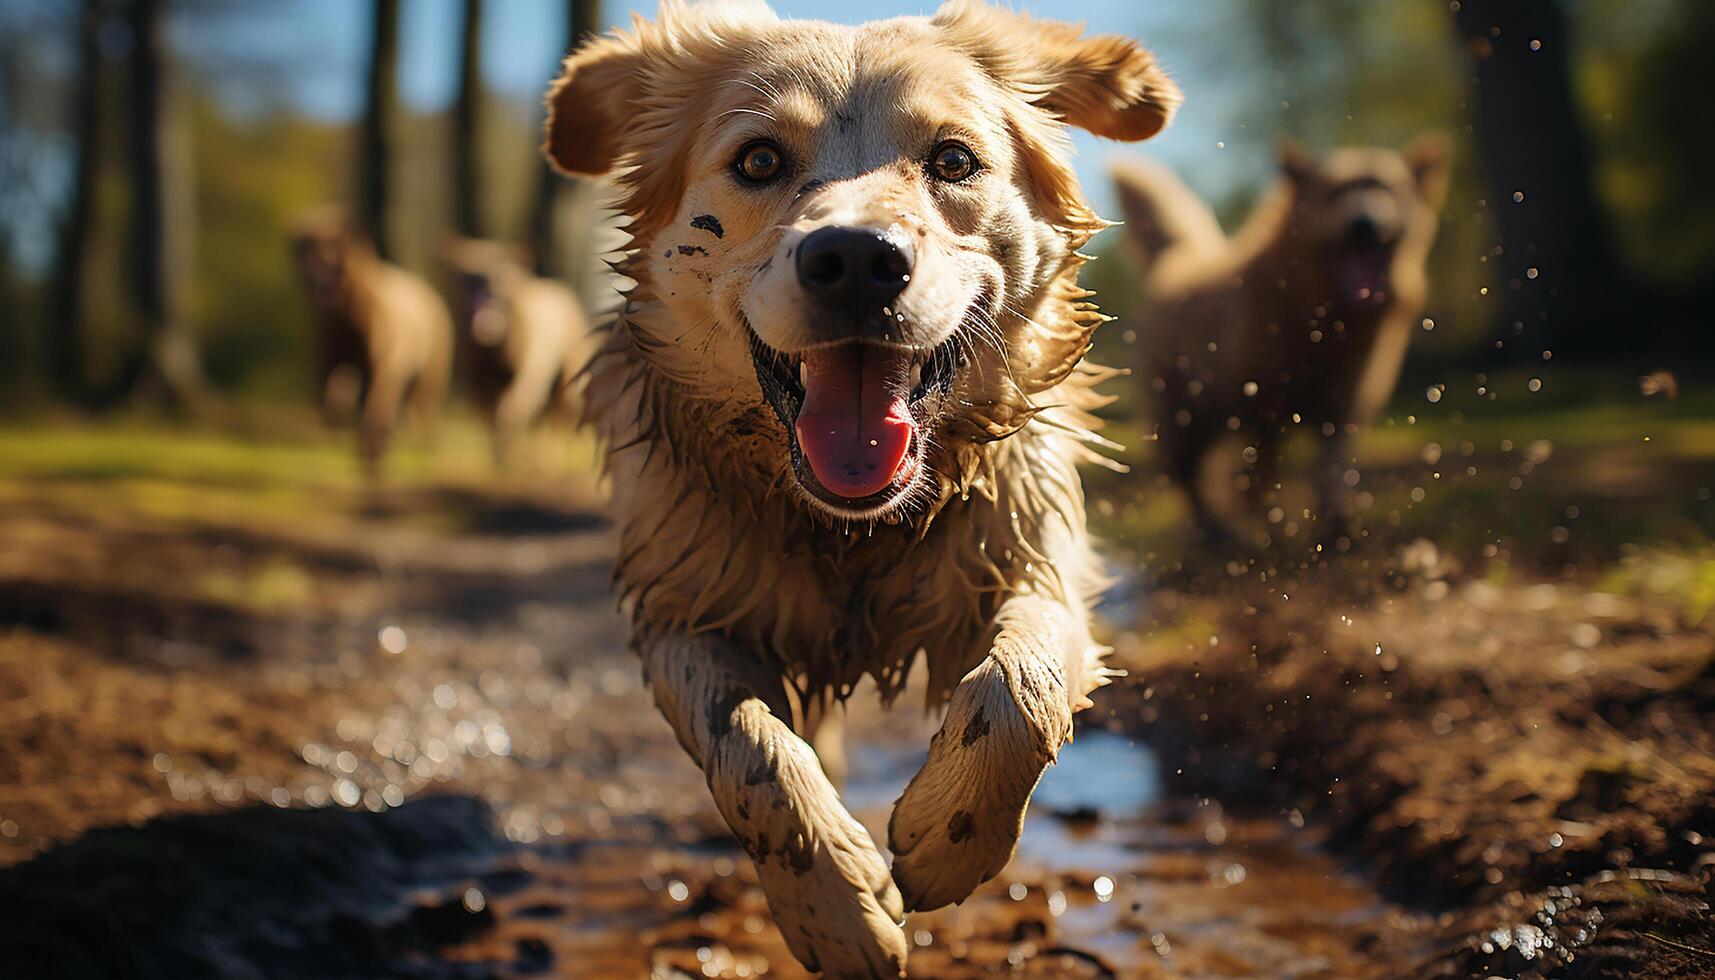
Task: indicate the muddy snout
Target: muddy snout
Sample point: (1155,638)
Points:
(851,274)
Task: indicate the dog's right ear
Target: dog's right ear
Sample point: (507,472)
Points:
(619,85)
(587,104)
(1428,157)
(1296,161)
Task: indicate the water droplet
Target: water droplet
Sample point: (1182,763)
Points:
(392,639)
(474,900)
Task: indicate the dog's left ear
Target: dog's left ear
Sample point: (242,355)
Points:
(1428,157)
(588,102)
(1109,85)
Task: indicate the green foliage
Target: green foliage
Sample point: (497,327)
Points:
(253,178)
(1645,74)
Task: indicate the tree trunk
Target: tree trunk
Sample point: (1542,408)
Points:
(583,20)
(1556,279)
(62,340)
(376,156)
(467,128)
(165,366)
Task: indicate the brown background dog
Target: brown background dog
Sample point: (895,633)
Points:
(1299,321)
(522,339)
(843,406)
(383,334)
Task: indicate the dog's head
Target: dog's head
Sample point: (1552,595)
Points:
(481,274)
(321,244)
(858,227)
(1365,209)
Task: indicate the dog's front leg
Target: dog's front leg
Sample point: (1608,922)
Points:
(827,885)
(958,821)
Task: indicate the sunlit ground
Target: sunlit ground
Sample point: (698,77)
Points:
(1498,692)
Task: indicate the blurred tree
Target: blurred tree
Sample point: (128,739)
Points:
(379,105)
(1559,284)
(583,19)
(165,366)
(1645,77)
(467,135)
(62,340)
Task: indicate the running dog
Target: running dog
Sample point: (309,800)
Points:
(383,333)
(843,405)
(522,339)
(1301,318)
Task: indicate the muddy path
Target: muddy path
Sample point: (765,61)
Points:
(402,738)
(1535,759)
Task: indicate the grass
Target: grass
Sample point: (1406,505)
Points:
(1577,472)
(1571,475)
(287,471)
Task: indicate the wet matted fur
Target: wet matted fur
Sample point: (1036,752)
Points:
(1298,322)
(759,586)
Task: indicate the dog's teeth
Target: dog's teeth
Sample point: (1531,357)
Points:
(916,375)
(803,375)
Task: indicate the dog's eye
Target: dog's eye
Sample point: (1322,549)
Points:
(952,162)
(759,162)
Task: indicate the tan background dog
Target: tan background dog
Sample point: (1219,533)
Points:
(843,405)
(522,339)
(383,333)
(1299,321)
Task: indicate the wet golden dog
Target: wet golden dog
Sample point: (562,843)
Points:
(522,339)
(383,333)
(843,405)
(1301,319)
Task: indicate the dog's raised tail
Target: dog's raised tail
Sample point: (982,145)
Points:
(1161,213)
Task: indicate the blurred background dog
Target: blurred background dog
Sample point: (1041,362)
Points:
(1299,322)
(383,335)
(522,339)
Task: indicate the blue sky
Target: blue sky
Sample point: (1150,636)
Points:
(523,40)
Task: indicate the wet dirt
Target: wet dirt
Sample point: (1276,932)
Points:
(404,738)
(1532,757)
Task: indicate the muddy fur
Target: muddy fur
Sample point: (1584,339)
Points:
(384,337)
(522,339)
(1272,331)
(755,597)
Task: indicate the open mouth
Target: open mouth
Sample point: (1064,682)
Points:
(857,411)
(1361,275)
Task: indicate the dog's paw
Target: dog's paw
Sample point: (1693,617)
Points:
(958,821)
(830,891)
(835,903)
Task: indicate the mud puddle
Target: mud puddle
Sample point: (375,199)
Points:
(485,708)
(1110,880)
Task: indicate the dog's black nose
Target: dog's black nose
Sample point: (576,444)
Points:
(858,268)
(1364,230)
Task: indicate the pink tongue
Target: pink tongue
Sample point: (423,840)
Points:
(1360,276)
(855,426)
